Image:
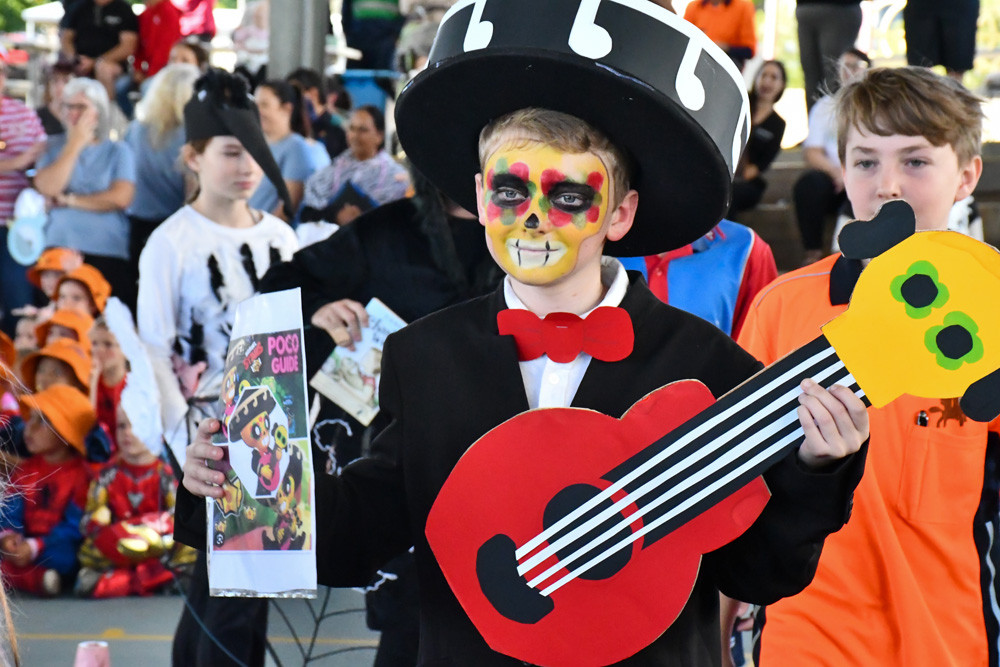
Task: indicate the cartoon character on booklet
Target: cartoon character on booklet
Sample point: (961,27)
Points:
(288,531)
(251,424)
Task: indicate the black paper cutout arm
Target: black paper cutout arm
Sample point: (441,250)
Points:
(893,224)
(981,401)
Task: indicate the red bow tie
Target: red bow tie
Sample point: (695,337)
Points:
(605,334)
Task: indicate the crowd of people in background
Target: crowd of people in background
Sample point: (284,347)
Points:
(151,236)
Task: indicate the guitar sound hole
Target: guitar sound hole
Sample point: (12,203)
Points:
(564,503)
(919,290)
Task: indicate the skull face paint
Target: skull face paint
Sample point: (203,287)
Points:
(540,205)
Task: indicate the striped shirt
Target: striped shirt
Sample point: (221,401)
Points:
(20,129)
(381,178)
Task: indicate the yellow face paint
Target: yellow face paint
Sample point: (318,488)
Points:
(539,205)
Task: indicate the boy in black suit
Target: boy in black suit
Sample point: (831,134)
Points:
(558,178)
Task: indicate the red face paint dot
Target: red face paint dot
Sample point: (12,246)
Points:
(592,213)
(492,211)
(559,218)
(520,170)
(489,179)
(549,178)
(595,180)
(523,208)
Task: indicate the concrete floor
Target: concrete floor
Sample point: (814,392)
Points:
(139,630)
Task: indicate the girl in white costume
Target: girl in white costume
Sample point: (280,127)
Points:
(208,256)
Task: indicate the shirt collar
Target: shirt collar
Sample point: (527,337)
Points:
(613,277)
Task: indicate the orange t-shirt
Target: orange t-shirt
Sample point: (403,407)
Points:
(729,22)
(901,583)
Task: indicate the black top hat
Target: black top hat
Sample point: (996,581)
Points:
(252,402)
(649,80)
(222,106)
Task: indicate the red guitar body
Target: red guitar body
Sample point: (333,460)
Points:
(499,497)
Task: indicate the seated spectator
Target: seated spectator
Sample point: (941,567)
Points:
(338,99)
(365,165)
(189,51)
(40,524)
(197,20)
(250,41)
(52,265)
(10,385)
(99,36)
(286,128)
(819,192)
(91,181)
(25,341)
(68,324)
(156,137)
(22,140)
(159,30)
(728,23)
(766,131)
(84,290)
(50,113)
(108,376)
(62,361)
(128,520)
(327,126)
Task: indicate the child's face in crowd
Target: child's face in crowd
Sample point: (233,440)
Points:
(107,353)
(39,438)
(132,449)
(74,296)
(225,169)
(57,331)
(544,210)
(181,54)
(929,178)
(49,279)
(24,336)
(51,372)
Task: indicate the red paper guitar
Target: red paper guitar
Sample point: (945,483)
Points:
(586,523)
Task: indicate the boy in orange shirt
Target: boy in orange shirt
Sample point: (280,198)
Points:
(909,580)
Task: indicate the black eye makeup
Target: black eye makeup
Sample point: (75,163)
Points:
(572,197)
(509,191)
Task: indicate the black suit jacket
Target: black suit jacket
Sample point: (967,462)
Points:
(449,378)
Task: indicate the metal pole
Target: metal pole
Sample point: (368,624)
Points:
(297,36)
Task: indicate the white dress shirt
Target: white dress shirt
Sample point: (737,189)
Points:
(549,384)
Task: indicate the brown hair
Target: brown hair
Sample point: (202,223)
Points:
(561,131)
(196,146)
(911,101)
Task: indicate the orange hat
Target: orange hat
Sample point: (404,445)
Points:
(92,279)
(63,350)
(8,355)
(70,319)
(67,410)
(53,259)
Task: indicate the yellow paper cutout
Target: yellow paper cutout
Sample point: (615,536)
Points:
(891,346)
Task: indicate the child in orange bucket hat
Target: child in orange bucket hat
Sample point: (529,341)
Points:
(39,540)
(83,289)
